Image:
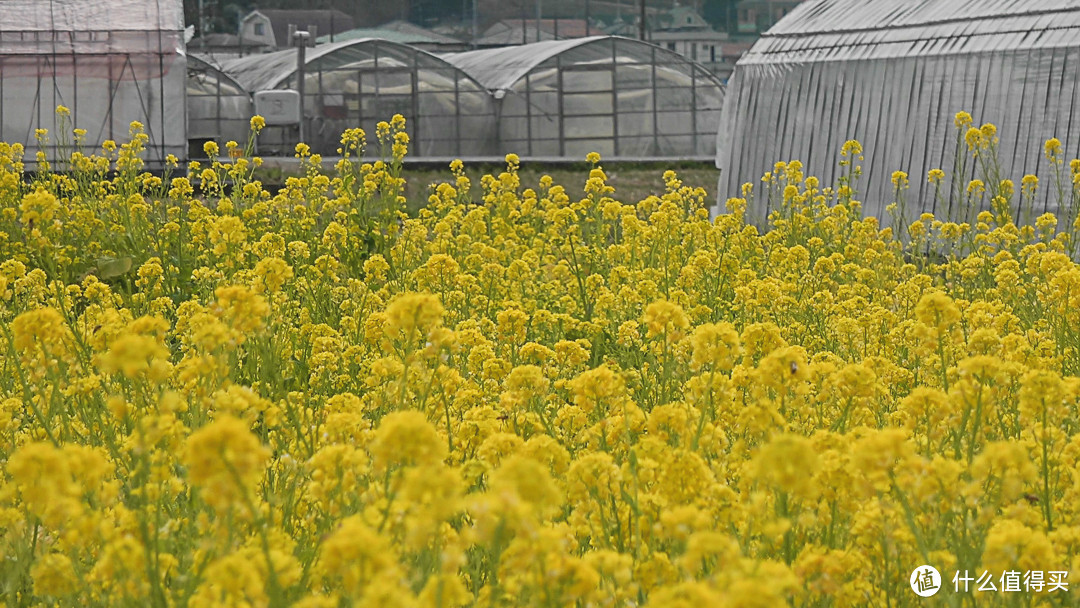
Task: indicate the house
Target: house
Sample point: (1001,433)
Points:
(510,32)
(403,32)
(270,27)
(685,31)
(757,16)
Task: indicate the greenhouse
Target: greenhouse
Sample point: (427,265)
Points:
(893,76)
(219,109)
(616,96)
(361,82)
(110,62)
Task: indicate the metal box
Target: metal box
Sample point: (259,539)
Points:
(278,107)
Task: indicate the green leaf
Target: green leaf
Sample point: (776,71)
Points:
(113,267)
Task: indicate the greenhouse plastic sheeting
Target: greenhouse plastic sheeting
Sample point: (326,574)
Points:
(111,62)
(218,106)
(616,96)
(361,82)
(893,75)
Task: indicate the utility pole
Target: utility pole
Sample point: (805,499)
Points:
(641,22)
(475,22)
(539,11)
(587,32)
(240,29)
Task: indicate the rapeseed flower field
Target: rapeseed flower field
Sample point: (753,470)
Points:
(217,396)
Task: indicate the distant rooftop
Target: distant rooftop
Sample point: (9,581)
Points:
(399,31)
(509,31)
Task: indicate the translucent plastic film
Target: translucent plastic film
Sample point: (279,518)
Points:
(893,75)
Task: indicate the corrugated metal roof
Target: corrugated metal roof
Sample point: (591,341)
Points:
(892,74)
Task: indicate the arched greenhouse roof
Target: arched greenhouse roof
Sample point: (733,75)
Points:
(359,83)
(500,68)
(617,96)
(219,108)
(820,30)
(197,66)
(272,70)
(893,75)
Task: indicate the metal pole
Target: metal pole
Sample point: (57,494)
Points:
(641,21)
(524,23)
(301,40)
(587,32)
(474,24)
(538,12)
(240,30)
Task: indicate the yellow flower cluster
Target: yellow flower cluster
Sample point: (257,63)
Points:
(215,395)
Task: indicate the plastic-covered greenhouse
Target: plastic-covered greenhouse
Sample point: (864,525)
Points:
(616,96)
(110,62)
(361,82)
(893,75)
(218,107)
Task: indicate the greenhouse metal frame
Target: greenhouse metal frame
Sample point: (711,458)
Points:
(893,76)
(361,82)
(219,108)
(617,96)
(110,62)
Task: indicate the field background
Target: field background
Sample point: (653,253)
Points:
(633,181)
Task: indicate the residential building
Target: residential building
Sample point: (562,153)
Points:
(270,27)
(686,32)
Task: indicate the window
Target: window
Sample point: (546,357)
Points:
(712,53)
(693,51)
(671,46)
(260,29)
